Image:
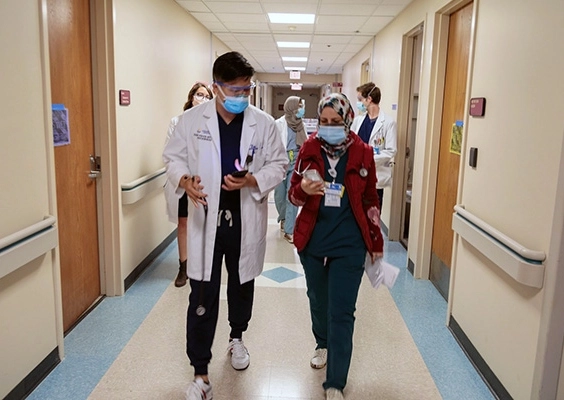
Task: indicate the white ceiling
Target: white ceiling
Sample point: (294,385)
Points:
(341,29)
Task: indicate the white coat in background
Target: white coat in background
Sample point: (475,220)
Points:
(194,149)
(384,135)
(170,188)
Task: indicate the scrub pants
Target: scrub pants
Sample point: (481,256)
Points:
(332,289)
(286,210)
(200,330)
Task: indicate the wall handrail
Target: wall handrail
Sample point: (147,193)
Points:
(134,191)
(143,180)
(522,264)
(23,246)
(522,251)
(27,232)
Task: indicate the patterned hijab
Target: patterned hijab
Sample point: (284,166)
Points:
(340,103)
(291,106)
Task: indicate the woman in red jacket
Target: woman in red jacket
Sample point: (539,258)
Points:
(335,184)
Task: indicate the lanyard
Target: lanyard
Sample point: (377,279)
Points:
(333,163)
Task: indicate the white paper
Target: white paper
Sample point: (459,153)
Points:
(380,272)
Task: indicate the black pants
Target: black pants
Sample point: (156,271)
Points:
(381,197)
(200,330)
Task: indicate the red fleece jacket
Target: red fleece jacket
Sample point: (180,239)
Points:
(363,196)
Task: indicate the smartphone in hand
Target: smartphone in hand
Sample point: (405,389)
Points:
(312,175)
(239,174)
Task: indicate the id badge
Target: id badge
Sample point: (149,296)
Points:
(333,194)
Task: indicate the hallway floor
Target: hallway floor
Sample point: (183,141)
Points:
(133,347)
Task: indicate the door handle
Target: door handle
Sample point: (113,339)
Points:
(95,170)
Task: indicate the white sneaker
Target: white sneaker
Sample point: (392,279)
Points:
(334,394)
(319,359)
(240,358)
(199,390)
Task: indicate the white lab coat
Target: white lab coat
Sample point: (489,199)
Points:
(194,149)
(282,126)
(384,135)
(170,188)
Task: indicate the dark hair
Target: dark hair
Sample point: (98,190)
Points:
(231,66)
(370,89)
(189,103)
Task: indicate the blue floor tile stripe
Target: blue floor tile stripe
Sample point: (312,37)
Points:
(93,345)
(424,312)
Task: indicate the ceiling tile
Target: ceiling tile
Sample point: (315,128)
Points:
(193,5)
(235,7)
(341,29)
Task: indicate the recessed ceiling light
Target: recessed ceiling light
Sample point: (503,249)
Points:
(282,18)
(294,45)
(296,59)
(294,68)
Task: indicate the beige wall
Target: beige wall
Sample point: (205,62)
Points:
(514,185)
(311,97)
(28,314)
(160,52)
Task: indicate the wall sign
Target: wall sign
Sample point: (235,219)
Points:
(124,98)
(477,106)
(61,131)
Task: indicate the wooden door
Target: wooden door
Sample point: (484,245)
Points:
(449,162)
(71,85)
(416,44)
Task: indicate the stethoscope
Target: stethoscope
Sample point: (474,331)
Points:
(363,172)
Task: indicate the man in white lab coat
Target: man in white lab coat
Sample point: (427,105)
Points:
(379,130)
(210,150)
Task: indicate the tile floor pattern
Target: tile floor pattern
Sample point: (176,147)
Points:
(133,347)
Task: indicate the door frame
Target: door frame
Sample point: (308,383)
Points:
(105,142)
(426,203)
(404,99)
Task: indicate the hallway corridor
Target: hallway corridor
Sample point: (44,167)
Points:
(133,347)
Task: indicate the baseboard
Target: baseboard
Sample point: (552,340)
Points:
(440,276)
(384,228)
(410,266)
(35,377)
(136,273)
(479,363)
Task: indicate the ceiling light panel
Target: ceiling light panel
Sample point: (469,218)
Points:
(285,18)
(293,45)
(295,59)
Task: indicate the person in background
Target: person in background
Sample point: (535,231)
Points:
(227,156)
(337,228)
(379,130)
(292,131)
(177,209)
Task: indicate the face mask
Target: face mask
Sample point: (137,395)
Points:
(235,104)
(360,106)
(332,134)
(300,113)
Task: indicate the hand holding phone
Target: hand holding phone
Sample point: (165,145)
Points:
(239,174)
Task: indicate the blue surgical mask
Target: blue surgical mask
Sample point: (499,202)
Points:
(332,134)
(300,113)
(235,104)
(360,106)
